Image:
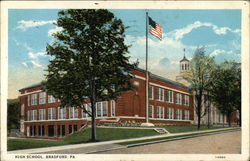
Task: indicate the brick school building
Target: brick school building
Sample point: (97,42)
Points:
(170,103)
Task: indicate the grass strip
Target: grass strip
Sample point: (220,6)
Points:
(177,129)
(168,138)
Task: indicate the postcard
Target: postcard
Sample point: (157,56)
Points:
(125,80)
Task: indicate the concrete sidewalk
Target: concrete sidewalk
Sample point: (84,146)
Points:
(85,148)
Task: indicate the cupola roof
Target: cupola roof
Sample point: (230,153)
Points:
(184,57)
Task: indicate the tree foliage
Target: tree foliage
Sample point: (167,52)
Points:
(13,114)
(89,59)
(201,66)
(225,88)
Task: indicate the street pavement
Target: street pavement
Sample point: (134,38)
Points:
(224,143)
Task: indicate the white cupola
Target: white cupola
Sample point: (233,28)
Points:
(184,63)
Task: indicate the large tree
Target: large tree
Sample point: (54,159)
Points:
(201,66)
(13,116)
(89,60)
(225,88)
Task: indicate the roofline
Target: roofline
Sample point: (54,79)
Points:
(166,80)
(31,86)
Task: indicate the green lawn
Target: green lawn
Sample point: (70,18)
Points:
(103,134)
(18,144)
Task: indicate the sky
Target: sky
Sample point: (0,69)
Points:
(219,31)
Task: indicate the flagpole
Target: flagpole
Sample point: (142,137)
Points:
(147,68)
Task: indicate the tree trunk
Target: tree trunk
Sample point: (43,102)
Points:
(208,117)
(229,120)
(223,119)
(93,129)
(199,122)
(199,110)
(93,106)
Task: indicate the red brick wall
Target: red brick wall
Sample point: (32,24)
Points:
(129,104)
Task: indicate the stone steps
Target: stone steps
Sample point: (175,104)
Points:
(161,130)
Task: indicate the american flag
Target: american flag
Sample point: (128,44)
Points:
(155,29)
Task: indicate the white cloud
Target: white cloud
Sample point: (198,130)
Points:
(25,64)
(216,52)
(179,33)
(31,63)
(54,30)
(175,62)
(25,45)
(35,59)
(36,55)
(23,25)
(36,64)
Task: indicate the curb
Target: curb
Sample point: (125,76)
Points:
(180,138)
(96,151)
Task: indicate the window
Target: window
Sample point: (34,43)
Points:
(179,114)
(41,130)
(51,131)
(32,130)
(73,113)
(75,128)
(102,109)
(186,115)
(61,113)
(160,112)
(170,113)
(186,100)
(151,111)
(61,130)
(88,108)
(51,113)
(34,99)
(70,129)
(51,99)
(42,98)
(99,109)
(151,93)
(105,108)
(161,94)
(41,114)
(178,98)
(170,97)
(32,115)
(112,108)
(28,100)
